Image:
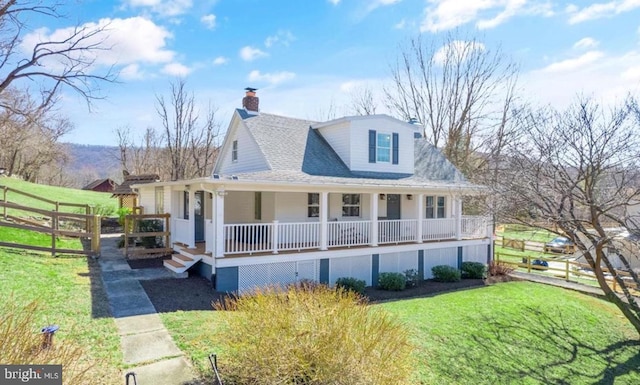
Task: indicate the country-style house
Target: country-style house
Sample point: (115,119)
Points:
(293,199)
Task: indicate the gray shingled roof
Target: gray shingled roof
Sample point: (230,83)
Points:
(297,153)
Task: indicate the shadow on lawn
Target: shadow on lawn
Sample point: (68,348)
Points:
(99,300)
(568,358)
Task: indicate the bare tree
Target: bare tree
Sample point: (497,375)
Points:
(52,64)
(363,101)
(577,173)
(144,157)
(190,147)
(459,90)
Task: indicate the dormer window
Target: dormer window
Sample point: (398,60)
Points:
(234,151)
(383,147)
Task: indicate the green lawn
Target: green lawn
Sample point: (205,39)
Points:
(535,235)
(57,194)
(33,238)
(509,333)
(69,292)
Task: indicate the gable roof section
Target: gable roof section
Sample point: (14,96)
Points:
(98,182)
(297,153)
(129,180)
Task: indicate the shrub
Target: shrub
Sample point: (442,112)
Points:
(473,270)
(351,283)
(104,210)
(445,273)
(123,212)
(413,277)
(312,336)
(392,281)
(500,268)
(150,226)
(22,343)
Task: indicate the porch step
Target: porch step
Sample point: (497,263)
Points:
(183,259)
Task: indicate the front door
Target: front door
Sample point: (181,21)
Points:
(393,206)
(199,215)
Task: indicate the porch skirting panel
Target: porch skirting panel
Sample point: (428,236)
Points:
(475,253)
(435,257)
(359,267)
(277,274)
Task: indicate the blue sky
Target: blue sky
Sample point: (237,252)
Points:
(307,56)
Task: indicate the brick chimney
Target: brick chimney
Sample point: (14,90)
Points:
(251,102)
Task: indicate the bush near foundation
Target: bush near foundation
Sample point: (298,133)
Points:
(315,335)
(350,283)
(392,281)
(445,273)
(473,270)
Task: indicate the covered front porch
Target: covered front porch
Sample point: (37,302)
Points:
(237,223)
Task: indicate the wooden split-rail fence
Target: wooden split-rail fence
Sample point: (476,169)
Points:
(54,222)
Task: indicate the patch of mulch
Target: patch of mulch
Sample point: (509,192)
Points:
(424,289)
(196,293)
(173,294)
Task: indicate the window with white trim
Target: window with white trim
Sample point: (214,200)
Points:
(435,207)
(234,151)
(313,205)
(257,205)
(350,205)
(383,148)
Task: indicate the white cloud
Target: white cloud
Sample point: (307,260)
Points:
(162,7)
(457,48)
(600,10)
(131,72)
(209,21)
(133,40)
(401,24)
(374,4)
(586,43)
(176,69)
(631,74)
(249,53)
(334,2)
(569,65)
(442,15)
(271,78)
(283,37)
(220,60)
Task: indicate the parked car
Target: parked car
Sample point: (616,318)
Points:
(539,264)
(560,245)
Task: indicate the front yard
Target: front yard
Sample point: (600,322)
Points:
(516,332)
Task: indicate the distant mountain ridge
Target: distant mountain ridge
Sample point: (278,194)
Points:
(90,162)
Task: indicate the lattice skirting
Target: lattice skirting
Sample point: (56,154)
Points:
(277,274)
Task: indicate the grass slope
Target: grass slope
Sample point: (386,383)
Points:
(509,333)
(69,293)
(56,194)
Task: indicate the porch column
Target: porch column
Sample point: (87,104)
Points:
(457,201)
(374,219)
(420,216)
(192,218)
(218,223)
(324,214)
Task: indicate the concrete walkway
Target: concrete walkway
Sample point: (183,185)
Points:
(144,340)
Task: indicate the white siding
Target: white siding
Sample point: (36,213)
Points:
(358,267)
(147,199)
(250,158)
(476,253)
(339,137)
(360,145)
(238,207)
(398,262)
(335,207)
(292,207)
(447,256)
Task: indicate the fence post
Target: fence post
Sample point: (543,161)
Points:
(167,231)
(566,270)
(4,199)
(88,226)
(54,227)
(95,237)
(126,235)
(614,283)
(528,264)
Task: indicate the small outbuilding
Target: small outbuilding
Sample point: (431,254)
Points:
(102,185)
(127,197)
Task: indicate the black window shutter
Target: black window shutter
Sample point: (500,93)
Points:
(395,148)
(372,146)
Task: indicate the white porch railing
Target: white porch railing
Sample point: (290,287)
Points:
(397,230)
(348,233)
(273,237)
(248,238)
(474,226)
(436,229)
(180,231)
(298,236)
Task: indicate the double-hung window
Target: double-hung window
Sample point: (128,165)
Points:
(435,207)
(159,192)
(234,151)
(350,205)
(383,148)
(313,205)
